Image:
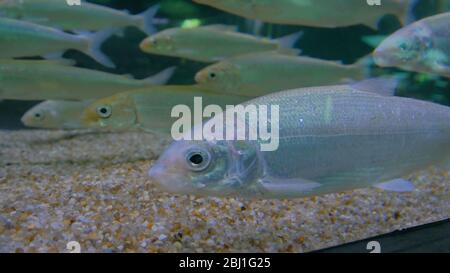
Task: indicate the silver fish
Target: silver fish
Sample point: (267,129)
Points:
(87,16)
(57,80)
(316,13)
(331,139)
(422,47)
(24,39)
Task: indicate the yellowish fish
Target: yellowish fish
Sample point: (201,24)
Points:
(213,43)
(54,114)
(149,109)
(54,80)
(262,73)
(315,13)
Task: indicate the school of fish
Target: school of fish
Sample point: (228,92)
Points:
(340,128)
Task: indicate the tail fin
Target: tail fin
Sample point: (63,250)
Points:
(147,19)
(407,15)
(287,43)
(290,40)
(162,77)
(95,43)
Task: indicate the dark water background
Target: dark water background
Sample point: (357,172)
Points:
(344,44)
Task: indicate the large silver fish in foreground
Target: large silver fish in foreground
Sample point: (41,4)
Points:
(331,139)
(422,47)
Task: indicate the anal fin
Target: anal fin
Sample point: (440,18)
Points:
(287,188)
(396,185)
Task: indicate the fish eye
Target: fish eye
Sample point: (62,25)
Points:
(403,46)
(198,161)
(104,111)
(38,116)
(212,75)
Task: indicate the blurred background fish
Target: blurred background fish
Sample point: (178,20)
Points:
(315,13)
(24,39)
(422,47)
(53,80)
(149,109)
(86,17)
(53,114)
(263,73)
(213,43)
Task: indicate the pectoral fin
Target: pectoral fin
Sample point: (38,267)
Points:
(287,188)
(396,185)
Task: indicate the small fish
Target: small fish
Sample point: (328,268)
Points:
(57,80)
(24,39)
(54,114)
(315,13)
(262,73)
(423,46)
(87,16)
(148,109)
(213,43)
(331,139)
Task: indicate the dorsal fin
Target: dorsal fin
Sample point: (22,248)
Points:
(384,86)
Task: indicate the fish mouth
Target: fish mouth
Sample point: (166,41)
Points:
(144,45)
(198,77)
(25,120)
(380,58)
(168,181)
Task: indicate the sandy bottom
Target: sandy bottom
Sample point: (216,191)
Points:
(57,187)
